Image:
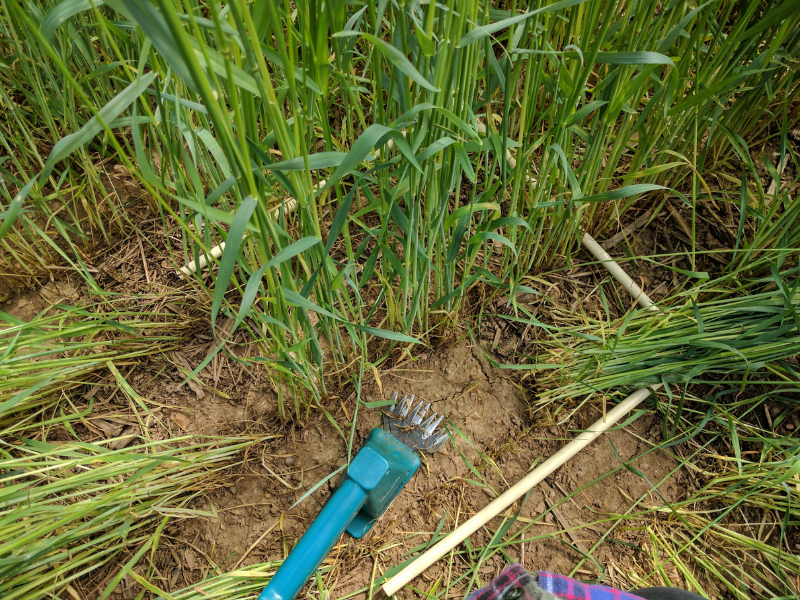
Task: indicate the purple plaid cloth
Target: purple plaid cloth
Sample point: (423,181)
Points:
(571,589)
(512,578)
(515,583)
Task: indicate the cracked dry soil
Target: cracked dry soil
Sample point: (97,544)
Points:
(491,417)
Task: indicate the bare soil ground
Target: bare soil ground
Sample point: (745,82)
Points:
(502,437)
(490,407)
(256,522)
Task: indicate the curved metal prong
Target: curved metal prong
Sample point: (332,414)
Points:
(405,405)
(405,422)
(431,427)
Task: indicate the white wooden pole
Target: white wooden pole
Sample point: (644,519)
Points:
(617,273)
(514,493)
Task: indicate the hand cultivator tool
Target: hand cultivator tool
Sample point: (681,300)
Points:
(374,477)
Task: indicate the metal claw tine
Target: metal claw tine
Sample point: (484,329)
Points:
(407,422)
(424,411)
(426,423)
(411,416)
(431,427)
(398,407)
(393,406)
(396,404)
(420,413)
(409,403)
(437,443)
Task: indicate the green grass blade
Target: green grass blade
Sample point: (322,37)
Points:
(230,255)
(68,144)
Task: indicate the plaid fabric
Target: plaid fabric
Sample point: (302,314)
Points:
(570,589)
(515,583)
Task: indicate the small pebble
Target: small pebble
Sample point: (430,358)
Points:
(289,461)
(789,426)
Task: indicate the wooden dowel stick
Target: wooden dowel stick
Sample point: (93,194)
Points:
(514,493)
(617,273)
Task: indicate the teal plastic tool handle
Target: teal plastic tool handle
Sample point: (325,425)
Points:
(314,546)
(364,473)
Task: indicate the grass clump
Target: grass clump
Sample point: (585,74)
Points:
(47,357)
(458,146)
(70,508)
(700,337)
(735,527)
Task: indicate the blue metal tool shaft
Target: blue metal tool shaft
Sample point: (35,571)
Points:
(314,546)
